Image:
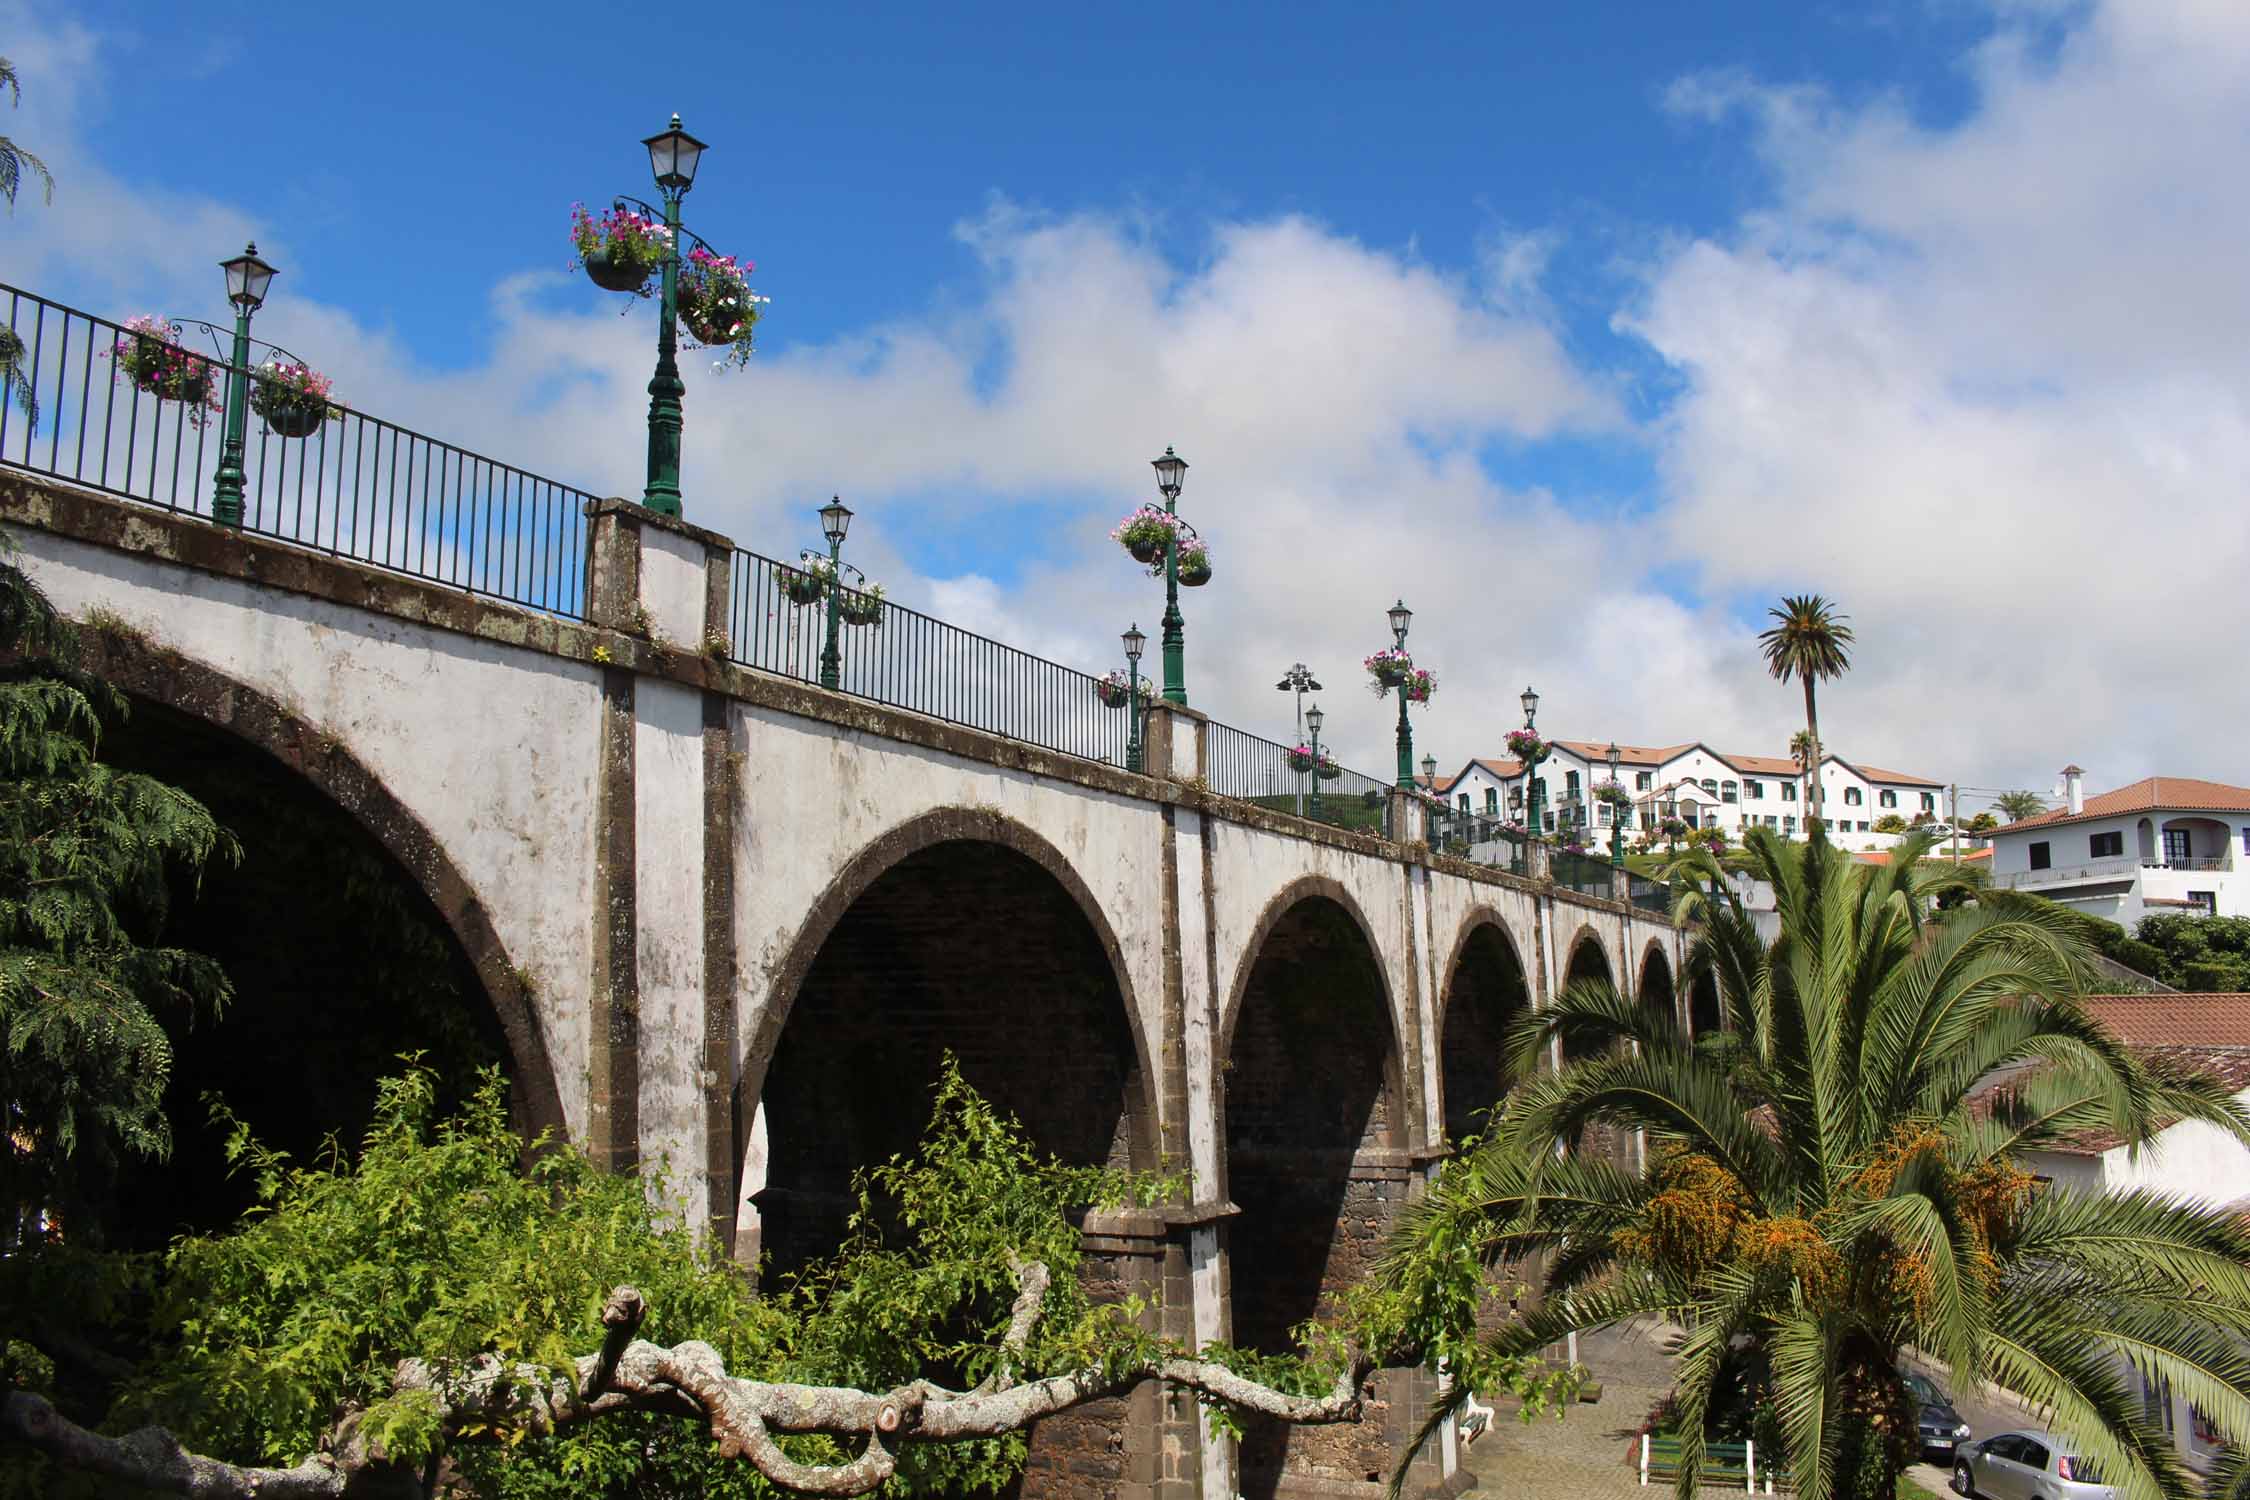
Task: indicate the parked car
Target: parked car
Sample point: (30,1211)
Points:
(1936,1423)
(2027,1466)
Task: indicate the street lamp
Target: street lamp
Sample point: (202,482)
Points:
(673,156)
(1429,773)
(1536,794)
(1299,678)
(1135,643)
(1401,617)
(1171,469)
(247,280)
(1616,811)
(1314,718)
(835,522)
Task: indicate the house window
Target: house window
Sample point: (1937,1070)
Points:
(1464,802)
(1929,802)
(1753,791)
(2041,859)
(1789,792)
(2208,900)
(1710,784)
(1726,791)
(1570,784)
(1853,797)
(2105,846)
(1648,821)
(1550,823)
(1886,798)
(1643,780)
(1789,823)
(2175,846)
(2246,840)
(1863,825)
(1491,802)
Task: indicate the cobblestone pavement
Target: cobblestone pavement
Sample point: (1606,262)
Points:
(1583,1456)
(1592,1452)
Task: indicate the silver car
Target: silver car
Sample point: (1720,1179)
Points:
(2027,1466)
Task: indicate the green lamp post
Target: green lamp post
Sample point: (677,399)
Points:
(673,155)
(247,280)
(1170,470)
(1401,617)
(1135,644)
(1616,812)
(1536,797)
(1314,718)
(835,522)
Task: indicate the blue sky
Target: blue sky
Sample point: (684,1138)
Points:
(1600,324)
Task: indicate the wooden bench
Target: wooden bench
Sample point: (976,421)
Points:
(1723,1463)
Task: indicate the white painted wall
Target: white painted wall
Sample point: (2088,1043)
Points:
(492,747)
(668,860)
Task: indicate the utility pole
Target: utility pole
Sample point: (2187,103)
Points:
(1299,678)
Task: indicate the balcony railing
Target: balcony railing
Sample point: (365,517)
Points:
(357,486)
(2124,868)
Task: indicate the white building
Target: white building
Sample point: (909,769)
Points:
(2190,1162)
(2166,843)
(1703,787)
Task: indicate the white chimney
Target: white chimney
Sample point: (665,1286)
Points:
(2074,789)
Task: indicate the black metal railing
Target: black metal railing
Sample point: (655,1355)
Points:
(1649,895)
(1580,872)
(1257,770)
(123,411)
(1485,840)
(778,622)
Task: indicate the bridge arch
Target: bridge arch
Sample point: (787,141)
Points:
(1313,1112)
(1483,987)
(886,972)
(195,690)
(1656,987)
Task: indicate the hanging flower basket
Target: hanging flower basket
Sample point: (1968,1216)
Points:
(149,355)
(1327,769)
(1419,684)
(1114,689)
(1526,746)
(1390,667)
(801,585)
(1194,565)
(1613,794)
(292,400)
(717,307)
(1145,532)
(621,250)
(860,606)
(1299,759)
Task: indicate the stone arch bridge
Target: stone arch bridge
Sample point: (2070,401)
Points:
(727,920)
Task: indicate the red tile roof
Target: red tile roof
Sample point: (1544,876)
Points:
(2150,794)
(1759,765)
(1898,778)
(2190,1020)
(1628,755)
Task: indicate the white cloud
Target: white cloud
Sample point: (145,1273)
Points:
(1982,385)
(1985,385)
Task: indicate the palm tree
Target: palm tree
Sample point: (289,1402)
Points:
(13,158)
(1809,643)
(14,379)
(2020,805)
(1840,1183)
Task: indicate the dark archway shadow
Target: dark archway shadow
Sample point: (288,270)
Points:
(1484,993)
(1312,1111)
(340,963)
(1656,990)
(961,945)
(1705,1015)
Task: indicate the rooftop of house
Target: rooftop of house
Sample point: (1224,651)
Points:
(2209,1033)
(2149,794)
(1645,757)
